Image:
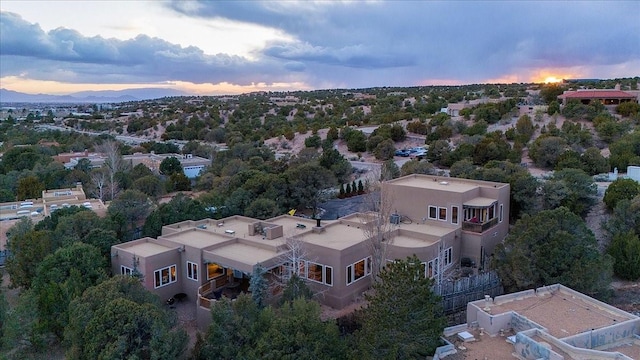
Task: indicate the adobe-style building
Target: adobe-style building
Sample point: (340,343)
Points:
(51,200)
(552,323)
(605,97)
(191,165)
(441,220)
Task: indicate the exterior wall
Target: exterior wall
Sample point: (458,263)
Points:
(340,294)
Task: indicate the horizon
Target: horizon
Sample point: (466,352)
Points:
(229,48)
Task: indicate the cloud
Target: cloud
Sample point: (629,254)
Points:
(346,44)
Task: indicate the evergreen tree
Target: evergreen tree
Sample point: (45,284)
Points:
(404,318)
(259,287)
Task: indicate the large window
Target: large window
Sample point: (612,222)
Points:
(125,270)
(454,214)
(358,270)
(214,270)
(448,257)
(165,276)
(192,270)
(319,273)
(432,268)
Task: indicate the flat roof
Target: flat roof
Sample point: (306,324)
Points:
(480,202)
(239,253)
(442,183)
(144,248)
(335,236)
(562,313)
(197,238)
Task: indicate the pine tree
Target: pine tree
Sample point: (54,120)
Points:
(360,187)
(347,191)
(259,287)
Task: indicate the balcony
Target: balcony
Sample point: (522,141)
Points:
(478,227)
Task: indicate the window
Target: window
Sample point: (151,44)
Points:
(125,270)
(448,257)
(432,268)
(214,270)
(433,212)
(442,214)
(358,270)
(501,212)
(319,273)
(192,271)
(454,214)
(165,276)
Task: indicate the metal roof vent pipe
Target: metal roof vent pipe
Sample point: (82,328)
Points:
(318,222)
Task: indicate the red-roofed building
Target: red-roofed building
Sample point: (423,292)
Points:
(606,97)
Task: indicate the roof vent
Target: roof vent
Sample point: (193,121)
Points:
(444,183)
(230,232)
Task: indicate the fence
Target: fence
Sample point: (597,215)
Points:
(457,293)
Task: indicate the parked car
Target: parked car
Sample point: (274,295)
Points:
(403,153)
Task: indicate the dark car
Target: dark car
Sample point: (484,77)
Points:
(403,153)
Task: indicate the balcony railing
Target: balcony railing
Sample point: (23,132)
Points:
(479,227)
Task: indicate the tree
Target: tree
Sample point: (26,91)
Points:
(341,168)
(571,188)
(593,162)
(259,287)
(178,181)
(28,250)
(404,318)
(545,150)
(262,208)
(112,165)
(84,310)
(628,108)
(384,150)
(553,246)
(150,185)
(313,141)
(180,208)
(356,141)
(128,211)
(389,170)
(170,165)
(62,277)
(625,250)
(524,128)
(417,167)
(620,189)
(29,188)
(307,183)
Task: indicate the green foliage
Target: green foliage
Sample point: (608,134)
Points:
(62,277)
(625,151)
(259,286)
(313,141)
(550,93)
(553,246)
(575,110)
(384,150)
(262,208)
(150,185)
(628,108)
(29,187)
(593,162)
(28,250)
(307,182)
(492,147)
(554,108)
(295,289)
(625,250)
(389,170)
(624,218)
(525,128)
(417,167)
(356,141)
(170,166)
(332,160)
(571,188)
(478,128)
(178,181)
(620,189)
(404,318)
(180,208)
(128,210)
(545,150)
(241,330)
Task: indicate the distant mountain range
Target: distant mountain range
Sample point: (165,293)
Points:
(104,96)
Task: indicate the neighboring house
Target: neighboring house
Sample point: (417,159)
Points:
(441,220)
(551,322)
(50,201)
(191,165)
(605,97)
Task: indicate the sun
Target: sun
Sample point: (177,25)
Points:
(552,80)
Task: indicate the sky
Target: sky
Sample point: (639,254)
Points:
(231,47)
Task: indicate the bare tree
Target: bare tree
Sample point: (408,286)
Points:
(293,258)
(112,163)
(99,180)
(377,225)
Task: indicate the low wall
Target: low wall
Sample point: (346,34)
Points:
(528,348)
(605,336)
(493,323)
(520,323)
